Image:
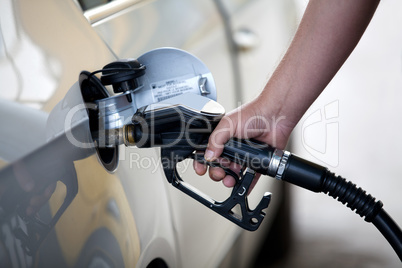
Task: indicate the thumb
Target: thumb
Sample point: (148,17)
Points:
(222,133)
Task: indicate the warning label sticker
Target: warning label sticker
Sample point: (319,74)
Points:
(167,89)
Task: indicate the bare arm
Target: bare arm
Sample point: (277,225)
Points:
(327,34)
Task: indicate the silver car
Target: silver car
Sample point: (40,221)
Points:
(63,207)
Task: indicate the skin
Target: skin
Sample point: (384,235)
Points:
(326,36)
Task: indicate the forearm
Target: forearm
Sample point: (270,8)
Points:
(327,34)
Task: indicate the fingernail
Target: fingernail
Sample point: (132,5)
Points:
(209,155)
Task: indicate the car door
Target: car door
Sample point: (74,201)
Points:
(44,47)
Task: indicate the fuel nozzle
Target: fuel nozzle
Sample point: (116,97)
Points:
(117,136)
(109,137)
(184,120)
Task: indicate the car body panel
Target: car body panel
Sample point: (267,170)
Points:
(155,24)
(133,213)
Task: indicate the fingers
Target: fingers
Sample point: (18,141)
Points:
(218,138)
(229,181)
(216,173)
(199,168)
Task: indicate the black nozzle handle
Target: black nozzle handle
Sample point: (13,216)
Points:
(250,153)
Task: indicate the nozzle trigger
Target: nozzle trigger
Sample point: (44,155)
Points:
(247,218)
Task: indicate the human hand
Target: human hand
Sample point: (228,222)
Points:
(255,120)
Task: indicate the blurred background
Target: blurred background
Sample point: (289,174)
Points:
(354,128)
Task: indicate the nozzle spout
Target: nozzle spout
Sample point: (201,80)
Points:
(129,135)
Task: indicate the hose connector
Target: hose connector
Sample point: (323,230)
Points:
(278,163)
(282,165)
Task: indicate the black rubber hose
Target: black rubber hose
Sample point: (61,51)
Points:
(318,179)
(366,206)
(354,198)
(390,230)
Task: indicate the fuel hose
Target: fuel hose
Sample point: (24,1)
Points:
(295,170)
(288,167)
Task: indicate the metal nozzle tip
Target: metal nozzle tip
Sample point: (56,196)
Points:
(128,135)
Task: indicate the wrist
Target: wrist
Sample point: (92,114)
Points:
(274,103)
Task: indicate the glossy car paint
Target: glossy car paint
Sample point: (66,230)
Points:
(46,44)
